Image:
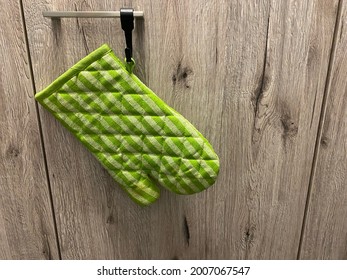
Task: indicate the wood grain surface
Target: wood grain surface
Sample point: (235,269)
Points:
(251,76)
(325,233)
(268,126)
(26,220)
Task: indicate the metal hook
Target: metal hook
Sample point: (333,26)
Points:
(127,22)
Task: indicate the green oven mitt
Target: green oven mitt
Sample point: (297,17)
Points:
(137,137)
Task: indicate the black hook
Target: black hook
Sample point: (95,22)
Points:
(127,22)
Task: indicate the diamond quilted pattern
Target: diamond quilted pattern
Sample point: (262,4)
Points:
(138,138)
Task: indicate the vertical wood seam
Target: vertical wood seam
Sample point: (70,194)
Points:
(320,123)
(40,126)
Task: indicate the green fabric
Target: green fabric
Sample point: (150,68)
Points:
(138,138)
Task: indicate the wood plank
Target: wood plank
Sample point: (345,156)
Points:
(325,232)
(26,220)
(249,74)
(267,128)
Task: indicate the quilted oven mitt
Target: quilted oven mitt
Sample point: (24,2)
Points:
(138,138)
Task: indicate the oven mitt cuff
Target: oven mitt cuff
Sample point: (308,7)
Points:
(138,138)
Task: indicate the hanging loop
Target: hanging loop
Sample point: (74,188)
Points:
(127,22)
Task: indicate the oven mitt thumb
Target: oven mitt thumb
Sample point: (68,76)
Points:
(139,139)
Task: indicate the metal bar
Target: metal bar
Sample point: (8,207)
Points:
(87,14)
